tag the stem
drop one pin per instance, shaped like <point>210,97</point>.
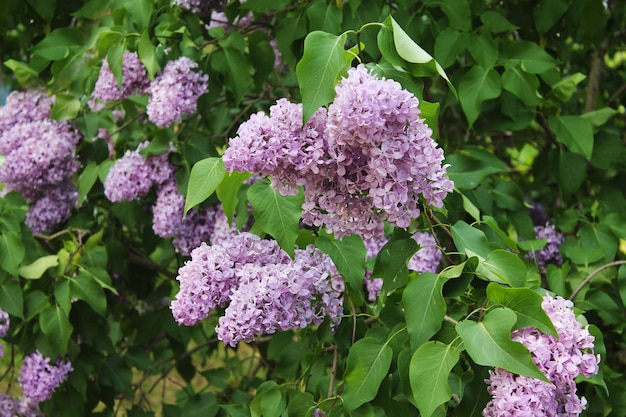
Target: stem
<point>593,274</point>
<point>595,73</point>
<point>333,372</point>
<point>149,265</point>
<point>450,319</point>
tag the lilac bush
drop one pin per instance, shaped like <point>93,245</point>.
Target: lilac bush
<point>39,378</point>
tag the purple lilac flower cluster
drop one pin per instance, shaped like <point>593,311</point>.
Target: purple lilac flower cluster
<point>39,378</point>
<point>366,161</point>
<point>39,158</point>
<point>132,176</point>
<point>201,7</point>
<point>549,254</point>
<point>175,91</point>
<point>561,359</point>
<point>19,407</point>
<point>4,328</point>
<point>261,288</point>
<point>427,258</point>
<point>134,80</point>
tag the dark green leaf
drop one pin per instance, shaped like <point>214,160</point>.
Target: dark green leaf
<point>449,45</point>
<point>205,176</point>
<point>140,12</point>
<point>575,132</point>
<point>11,298</point>
<point>504,267</point>
<point>368,364</point>
<point>458,12</point>
<point>84,287</point>
<point>57,44</point>
<point>532,58</point>
<point>55,324</point>
<point>116,374</point>
<point>483,49</point>
<point>276,214</point>
<point>468,239</point>
<point>65,107</point>
<point>477,86</point>
<point>548,12</point>
<point>44,8</point>
<point>201,405</point>
<point>11,252</point>
<point>424,307</point>
<point>145,50</point>
<point>323,63</point>
<point>496,22</point>
<point>392,260</point>
<point>522,84</point>
<point>228,190</point>
<point>429,372</point>
<point>348,255</point>
<point>25,75</point>
<point>489,344</point>
<point>86,181</point>
<point>572,172</point>
<point>234,66</point>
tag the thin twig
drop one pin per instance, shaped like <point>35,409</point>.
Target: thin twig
<point>450,319</point>
<point>333,372</point>
<point>593,274</point>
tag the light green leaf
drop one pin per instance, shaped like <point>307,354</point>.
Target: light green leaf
<point>65,107</point>
<point>11,252</point>
<point>140,12</point>
<point>85,287</point>
<point>55,324</point>
<point>504,267</point>
<point>204,178</point>
<point>477,86</point>
<point>599,117</point>
<point>522,84</point>
<point>235,68</point>
<point>467,238</point>
<point>368,364</point>
<point>86,181</point>
<point>57,44</point>
<point>323,63</point>
<point>37,268</point>
<point>145,50</point>
<point>564,89</point>
<point>428,372</point>
<point>489,344</point>
<point>348,255</point>
<point>276,214</point>
<point>228,190</point>
<point>25,75</point>
<point>575,132</point>
<point>526,303</point>
<point>424,307</point>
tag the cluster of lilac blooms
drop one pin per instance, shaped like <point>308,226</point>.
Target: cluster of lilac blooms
<point>368,160</point>
<point>39,378</point>
<point>39,158</point>
<point>201,7</point>
<point>561,359</point>
<point>134,81</point>
<point>20,407</point>
<point>426,259</point>
<point>4,328</point>
<point>132,176</point>
<point>173,93</point>
<point>260,287</point>
<point>549,254</point>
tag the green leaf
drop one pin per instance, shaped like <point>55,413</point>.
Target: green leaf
<point>86,181</point>
<point>201,405</point>
<point>496,22</point>
<point>469,167</point>
<point>145,50</point>
<point>504,267</point>
<point>522,84</point>
<point>263,6</point>
<point>424,307</point>
<point>526,303</point>
<point>428,372</point>
<point>235,68</point>
<point>483,49</point>
<point>56,45</point>
<point>323,63</point>
<point>55,324</point>
<point>532,58</point>
<point>85,287</point>
<point>575,132</point>
<point>276,214</point>
<point>457,11</point>
<point>367,365</point>
<point>323,16</point>
<point>44,8</point>
<point>477,86</point>
<point>469,239</point>
<point>11,298</point>
<point>228,190</point>
<point>548,12</point>
<point>564,89</point>
<point>65,107</point>
<point>450,43</point>
<point>37,268</point>
<point>140,12</point>
<point>572,172</point>
<point>11,252</point>
<point>348,255</point>
<point>392,260</point>
<point>25,75</point>
<point>115,373</point>
<point>489,344</point>
<point>599,117</point>
<point>204,178</point>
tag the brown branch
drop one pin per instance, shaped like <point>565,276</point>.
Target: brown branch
<point>595,73</point>
<point>333,372</point>
<point>616,94</point>
<point>150,265</point>
<point>593,274</point>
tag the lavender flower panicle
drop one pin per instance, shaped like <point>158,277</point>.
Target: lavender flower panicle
<point>23,406</point>
<point>549,254</point>
<point>175,92</point>
<point>52,208</point>
<point>427,258</point>
<point>5,321</point>
<point>24,107</point>
<point>134,80</point>
<point>561,359</point>
<point>201,7</point>
<point>39,379</point>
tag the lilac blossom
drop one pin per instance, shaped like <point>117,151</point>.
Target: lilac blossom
<point>261,288</point>
<point>53,207</point>
<point>24,107</point>
<point>371,159</point>
<point>561,359</point>
<point>427,258</point>
<point>5,321</point>
<point>197,227</point>
<point>23,406</point>
<point>132,176</point>
<point>39,378</point>
<point>201,7</point>
<point>134,80</point>
<point>549,254</point>
<point>175,92</point>
<point>373,286</point>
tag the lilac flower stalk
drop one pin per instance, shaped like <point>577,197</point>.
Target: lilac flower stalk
<point>561,359</point>
<point>39,378</point>
<point>175,92</point>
